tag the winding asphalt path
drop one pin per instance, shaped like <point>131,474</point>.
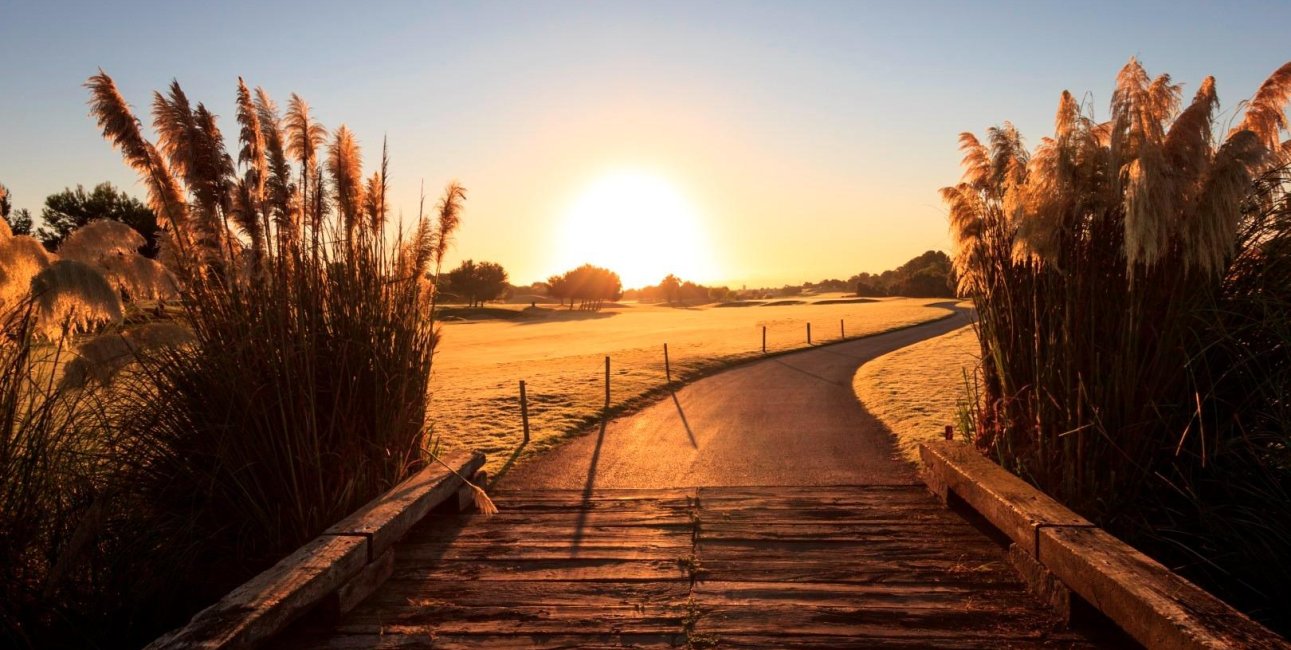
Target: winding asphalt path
<point>791,419</point>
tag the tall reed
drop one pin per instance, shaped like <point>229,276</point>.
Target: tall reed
<point>303,391</point>
<point>1127,279</point>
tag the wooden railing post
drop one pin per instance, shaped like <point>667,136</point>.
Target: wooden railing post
<point>667,366</point>
<point>524,411</point>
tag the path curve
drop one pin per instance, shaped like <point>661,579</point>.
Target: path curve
<point>791,419</point>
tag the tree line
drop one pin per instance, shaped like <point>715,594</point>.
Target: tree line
<point>65,211</point>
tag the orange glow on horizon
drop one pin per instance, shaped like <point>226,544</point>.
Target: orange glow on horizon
<point>640,226</point>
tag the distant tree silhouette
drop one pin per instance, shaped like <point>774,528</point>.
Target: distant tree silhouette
<point>70,209</point>
<point>671,288</point>
<point>926,276</point>
<point>590,285</point>
<point>477,282</point>
<point>20,221</point>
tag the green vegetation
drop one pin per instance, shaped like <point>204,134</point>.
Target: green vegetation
<point>19,223</point>
<point>70,209</point>
<point>926,276</point>
<point>1131,279</point>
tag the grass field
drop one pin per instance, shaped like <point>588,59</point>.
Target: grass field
<point>561,356</point>
<point>916,391</point>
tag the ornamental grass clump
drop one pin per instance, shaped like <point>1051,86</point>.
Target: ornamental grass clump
<point>302,391</point>
<point>1131,281</point>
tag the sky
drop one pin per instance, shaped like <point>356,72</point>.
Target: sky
<point>778,142</point>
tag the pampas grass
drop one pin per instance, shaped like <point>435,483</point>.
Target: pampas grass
<point>1104,265</point>
<point>302,393</point>
<point>71,296</point>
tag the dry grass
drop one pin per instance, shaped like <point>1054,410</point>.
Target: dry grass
<point>474,388</point>
<point>917,390</point>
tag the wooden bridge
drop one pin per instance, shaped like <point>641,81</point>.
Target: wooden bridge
<point>729,567</point>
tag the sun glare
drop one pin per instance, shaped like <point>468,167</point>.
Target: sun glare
<point>637,225</point>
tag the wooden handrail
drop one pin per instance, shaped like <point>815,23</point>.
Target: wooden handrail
<point>354,551</point>
<point>1152,604</point>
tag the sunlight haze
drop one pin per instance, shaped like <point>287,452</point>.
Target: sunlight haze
<point>807,138</point>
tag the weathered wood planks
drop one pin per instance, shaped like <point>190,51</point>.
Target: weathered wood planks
<point>832,567</point>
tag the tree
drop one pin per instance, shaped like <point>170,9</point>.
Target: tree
<point>70,209</point>
<point>477,283</point>
<point>671,287</point>
<point>591,285</point>
<point>20,221</point>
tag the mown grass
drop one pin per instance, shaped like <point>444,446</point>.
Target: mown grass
<point>474,386</point>
<point>918,390</point>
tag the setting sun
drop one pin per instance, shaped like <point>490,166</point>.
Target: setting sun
<point>638,225</point>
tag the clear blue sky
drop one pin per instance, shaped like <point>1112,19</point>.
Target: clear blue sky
<point>810,138</point>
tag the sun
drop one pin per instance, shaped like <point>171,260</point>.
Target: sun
<point>638,225</point>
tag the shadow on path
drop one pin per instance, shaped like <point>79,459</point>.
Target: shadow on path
<point>587,487</point>
<point>809,373</point>
<point>502,471</point>
<point>684,422</point>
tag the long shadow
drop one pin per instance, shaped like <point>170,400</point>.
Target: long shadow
<point>684,422</point>
<point>588,486</point>
<point>809,373</point>
<point>560,316</point>
<point>502,471</point>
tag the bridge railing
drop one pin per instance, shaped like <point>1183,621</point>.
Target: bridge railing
<point>334,571</point>
<point>1059,550</point>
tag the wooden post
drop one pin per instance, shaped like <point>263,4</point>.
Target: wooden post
<point>764,339</point>
<point>808,333</point>
<point>607,382</point>
<point>950,432</point>
<point>841,333</point>
<point>667,367</point>
<point>524,411</point>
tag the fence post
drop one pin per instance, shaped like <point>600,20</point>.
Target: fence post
<point>764,339</point>
<point>667,366</point>
<point>950,432</point>
<point>524,411</point>
<point>809,333</point>
<point>841,333</point>
<point>607,382</point>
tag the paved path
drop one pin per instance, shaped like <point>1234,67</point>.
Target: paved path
<point>791,419</point>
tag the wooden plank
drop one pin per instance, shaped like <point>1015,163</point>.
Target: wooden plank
<point>427,554</point>
<point>868,596</point>
<point>973,618</point>
<point>441,641</point>
<point>1148,601</point>
<point>564,569</point>
<point>572,593</point>
<point>448,618</point>
<point>789,570</point>
<point>387,518</point>
<point>560,523</point>
<point>1008,502</point>
<point>269,601</point>
<point>949,642</point>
